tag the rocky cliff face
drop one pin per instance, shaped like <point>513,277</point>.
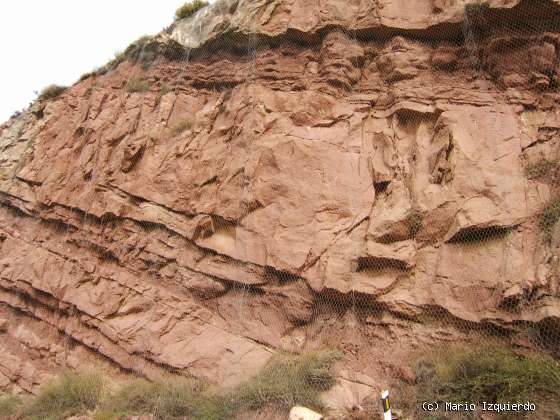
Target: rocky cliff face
<point>296,173</point>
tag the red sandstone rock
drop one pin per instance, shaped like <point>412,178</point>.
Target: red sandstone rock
<point>327,189</point>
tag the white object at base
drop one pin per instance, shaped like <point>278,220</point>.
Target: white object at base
<point>302,413</point>
<point>387,415</point>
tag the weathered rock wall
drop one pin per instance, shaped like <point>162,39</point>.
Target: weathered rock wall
<point>349,173</point>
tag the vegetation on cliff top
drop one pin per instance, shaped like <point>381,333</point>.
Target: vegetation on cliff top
<point>190,8</point>
<point>137,50</point>
<point>51,92</point>
<point>285,381</point>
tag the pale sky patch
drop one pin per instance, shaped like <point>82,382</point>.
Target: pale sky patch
<point>45,42</point>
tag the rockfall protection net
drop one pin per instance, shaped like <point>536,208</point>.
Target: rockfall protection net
<point>390,192</point>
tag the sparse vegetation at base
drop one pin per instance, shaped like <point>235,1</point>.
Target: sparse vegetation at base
<point>550,215</point>
<point>171,399</point>
<point>68,395</point>
<point>51,92</point>
<point>190,8</point>
<point>137,85</point>
<point>491,374</point>
<point>10,405</point>
<point>287,380</point>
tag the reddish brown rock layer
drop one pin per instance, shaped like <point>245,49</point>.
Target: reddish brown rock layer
<point>357,188</point>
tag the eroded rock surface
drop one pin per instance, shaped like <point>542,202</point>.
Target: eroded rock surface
<point>358,178</point>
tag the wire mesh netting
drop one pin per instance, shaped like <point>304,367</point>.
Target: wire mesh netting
<point>283,203</point>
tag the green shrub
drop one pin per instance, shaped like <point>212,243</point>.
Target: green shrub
<point>137,85</point>
<point>51,92</point>
<point>69,395</point>
<point>190,8</point>
<point>488,373</point>
<point>550,215</point>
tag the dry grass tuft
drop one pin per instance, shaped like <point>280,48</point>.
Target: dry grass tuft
<point>137,85</point>
<point>488,373</point>
<point>190,8</point>
<point>68,395</point>
<point>51,92</point>
<point>550,215</point>
<point>287,380</point>
<point>180,127</point>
